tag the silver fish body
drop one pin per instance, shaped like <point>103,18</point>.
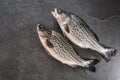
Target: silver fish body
<point>80,34</point>
<point>59,48</point>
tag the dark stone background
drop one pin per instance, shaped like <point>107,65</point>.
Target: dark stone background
<point>22,56</point>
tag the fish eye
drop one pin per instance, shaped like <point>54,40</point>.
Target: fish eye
<point>43,28</point>
<point>44,32</point>
<point>59,11</point>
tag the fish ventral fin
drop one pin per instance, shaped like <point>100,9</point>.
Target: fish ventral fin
<point>49,44</point>
<point>67,29</point>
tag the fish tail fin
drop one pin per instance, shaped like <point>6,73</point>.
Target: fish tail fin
<point>91,63</point>
<point>109,52</point>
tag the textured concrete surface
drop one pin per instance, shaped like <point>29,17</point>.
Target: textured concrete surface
<point>22,56</point>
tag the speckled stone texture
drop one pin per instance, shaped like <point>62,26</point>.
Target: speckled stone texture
<point>22,56</point>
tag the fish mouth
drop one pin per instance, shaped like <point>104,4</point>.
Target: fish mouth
<point>39,30</point>
<point>55,12</point>
<point>39,27</point>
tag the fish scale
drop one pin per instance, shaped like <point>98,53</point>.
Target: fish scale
<point>68,48</point>
<point>59,45</point>
<point>89,35</point>
<point>57,41</point>
<point>79,33</point>
<point>86,38</point>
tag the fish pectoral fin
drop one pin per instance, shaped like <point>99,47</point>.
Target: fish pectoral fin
<point>67,28</point>
<point>49,44</point>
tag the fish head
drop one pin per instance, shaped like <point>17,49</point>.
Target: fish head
<point>43,32</point>
<point>61,16</point>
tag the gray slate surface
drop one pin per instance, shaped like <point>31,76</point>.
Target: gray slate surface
<point>22,56</point>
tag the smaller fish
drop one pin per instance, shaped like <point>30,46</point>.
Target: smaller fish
<point>60,49</point>
<point>78,32</point>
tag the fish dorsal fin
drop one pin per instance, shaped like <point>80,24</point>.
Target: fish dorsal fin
<point>49,44</point>
<point>67,29</point>
<point>75,50</point>
<point>96,36</point>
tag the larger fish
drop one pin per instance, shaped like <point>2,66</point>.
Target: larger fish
<point>59,48</point>
<point>80,34</point>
